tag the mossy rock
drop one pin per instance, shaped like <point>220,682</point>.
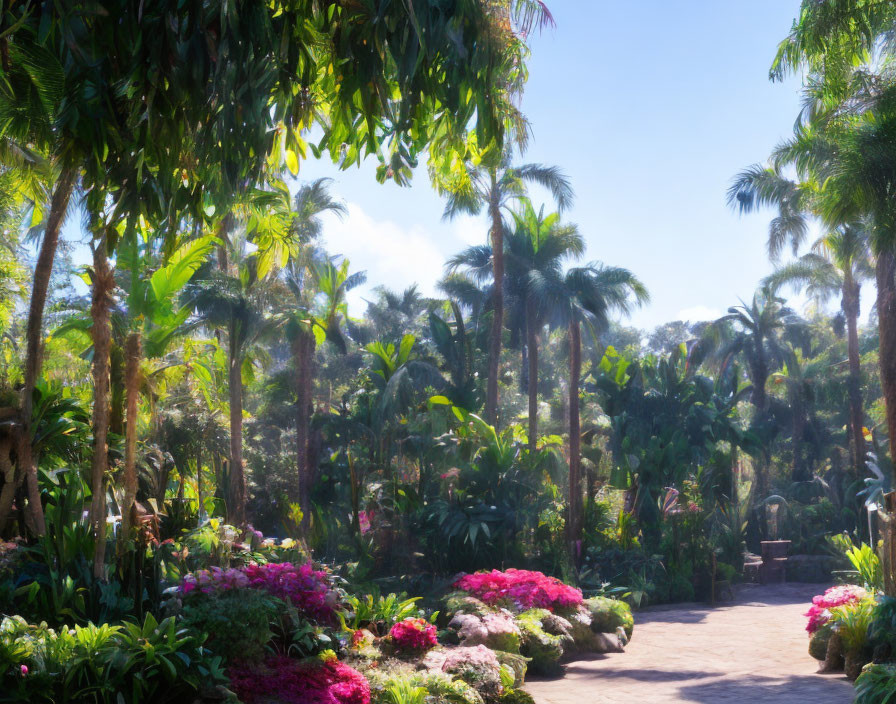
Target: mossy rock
<point>462,603</point>
<point>818,642</point>
<point>609,614</point>
<point>544,649</point>
<point>516,662</point>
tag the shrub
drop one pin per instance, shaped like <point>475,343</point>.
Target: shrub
<point>237,622</point>
<point>519,589</point>
<point>609,614</point>
<point>820,611</point>
<point>818,642</point>
<point>876,684</point>
<point>288,681</point>
<point>851,622</point>
<point>304,587</point>
<point>441,687</point>
<point>129,664</point>
<point>413,636</point>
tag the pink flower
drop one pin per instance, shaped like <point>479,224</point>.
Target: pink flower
<point>414,635</point>
<point>306,588</point>
<point>292,681</point>
<point>24,670</point>
<point>522,589</point>
<point>820,611</point>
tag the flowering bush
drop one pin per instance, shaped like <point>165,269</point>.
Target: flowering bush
<point>414,635</point>
<point>521,588</point>
<point>820,612</point>
<point>303,586</point>
<point>289,681</point>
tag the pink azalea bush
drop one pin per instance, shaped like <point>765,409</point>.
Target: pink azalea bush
<point>478,666</point>
<point>820,612</point>
<point>289,681</point>
<point>414,635</point>
<point>522,588</point>
<point>306,588</point>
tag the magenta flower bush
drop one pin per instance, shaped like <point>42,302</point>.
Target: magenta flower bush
<point>289,681</point>
<point>522,588</point>
<point>303,586</point>
<point>414,635</point>
<point>820,612</point>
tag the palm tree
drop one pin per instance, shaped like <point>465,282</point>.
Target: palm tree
<point>844,145</point>
<point>798,378</point>
<point>494,184</point>
<point>313,322</point>
<point>539,243</point>
<point>753,331</point>
<point>584,296</point>
<point>237,301</point>
<point>838,265</point>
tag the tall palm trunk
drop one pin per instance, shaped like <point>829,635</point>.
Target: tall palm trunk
<point>759,398</point>
<point>494,343</point>
<point>850,306</point>
<point>532,349</point>
<point>574,521</point>
<point>236,504</point>
<point>199,481</point>
<point>799,471</point>
<point>885,270</point>
<point>43,270</point>
<point>132,351</point>
<point>103,283</point>
<point>303,356</point>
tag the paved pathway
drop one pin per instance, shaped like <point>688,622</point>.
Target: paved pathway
<point>753,651</point>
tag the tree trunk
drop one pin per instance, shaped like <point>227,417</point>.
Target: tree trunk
<point>103,283</point>
<point>532,346</point>
<point>133,353</point>
<point>759,397</point>
<point>850,306</point>
<point>885,270</point>
<point>799,472</point>
<point>303,356</point>
<point>574,522</point>
<point>43,270</point>
<point>199,483</point>
<point>236,506</point>
<point>494,343</point>
<point>8,475</point>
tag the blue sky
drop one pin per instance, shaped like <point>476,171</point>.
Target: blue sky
<point>650,108</point>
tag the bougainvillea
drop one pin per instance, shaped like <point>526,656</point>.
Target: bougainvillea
<point>414,635</point>
<point>521,588</point>
<point>820,612</point>
<point>289,681</point>
<point>306,588</point>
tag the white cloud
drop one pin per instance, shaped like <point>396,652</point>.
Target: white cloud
<point>697,313</point>
<point>470,229</point>
<point>392,255</point>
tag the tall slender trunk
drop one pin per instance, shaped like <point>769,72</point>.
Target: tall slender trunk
<point>103,283</point>
<point>759,398</point>
<point>850,305</point>
<point>133,352</point>
<point>303,356</point>
<point>199,482</point>
<point>8,476</point>
<point>494,342</point>
<point>236,504</point>
<point>885,270</point>
<point>799,471</point>
<point>43,270</point>
<point>532,347</point>
<point>574,522</point>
